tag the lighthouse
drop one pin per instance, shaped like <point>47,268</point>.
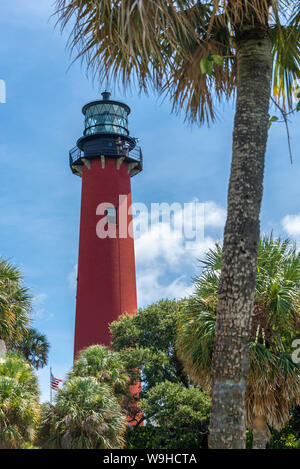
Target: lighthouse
<point>106,157</point>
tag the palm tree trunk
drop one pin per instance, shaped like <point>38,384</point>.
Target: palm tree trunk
<point>241,237</point>
<point>261,434</point>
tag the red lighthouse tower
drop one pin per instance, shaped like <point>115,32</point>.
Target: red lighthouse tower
<point>106,158</point>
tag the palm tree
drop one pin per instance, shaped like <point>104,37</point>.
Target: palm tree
<point>108,368</point>
<point>15,303</point>
<point>34,347</point>
<point>198,52</point>
<point>19,405</point>
<point>273,382</point>
<point>103,364</point>
<point>86,416</point>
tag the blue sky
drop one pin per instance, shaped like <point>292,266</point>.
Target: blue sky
<point>40,197</point>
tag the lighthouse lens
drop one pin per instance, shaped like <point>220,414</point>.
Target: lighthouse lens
<point>106,118</point>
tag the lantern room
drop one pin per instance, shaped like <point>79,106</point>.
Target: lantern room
<point>106,135</point>
<point>106,117</point>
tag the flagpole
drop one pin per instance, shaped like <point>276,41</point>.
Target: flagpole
<point>50,386</point>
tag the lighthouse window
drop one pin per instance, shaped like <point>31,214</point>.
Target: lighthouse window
<point>106,118</point>
<point>111,216</point>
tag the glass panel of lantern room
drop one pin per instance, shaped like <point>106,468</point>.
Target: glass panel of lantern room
<point>106,118</point>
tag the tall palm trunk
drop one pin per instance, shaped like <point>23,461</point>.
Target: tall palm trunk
<point>261,434</point>
<point>241,236</point>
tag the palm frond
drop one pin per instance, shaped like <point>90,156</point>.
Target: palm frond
<point>86,416</point>
<point>124,36</point>
<point>19,406</point>
<point>15,302</point>
<point>286,56</point>
<point>273,383</point>
<point>185,50</point>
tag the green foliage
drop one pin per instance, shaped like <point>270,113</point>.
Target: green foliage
<point>147,340</point>
<point>19,406</point>
<point>289,436</point>
<point>86,415</point>
<point>15,303</point>
<point>179,410</point>
<point>271,120</point>
<point>34,347</point>
<point>207,63</point>
<point>15,367</point>
<point>177,418</point>
<point>249,439</point>
<point>15,311</point>
<point>286,52</point>
<point>151,437</point>
<point>103,364</point>
<point>44,427</point>
<point>169,401</point>
<point>150,327</point>
<point>188,51</point>
<point>273,384</point>
<point>278,289</point>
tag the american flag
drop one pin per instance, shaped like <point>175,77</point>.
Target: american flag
<point>54,382</point>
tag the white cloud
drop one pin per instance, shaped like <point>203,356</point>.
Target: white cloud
<point>166,258</point>
<point>39,299</point>
<point>214,216</point>
<point>291,224</point>
<point>159,270</point>
<point>162,257</point>
<point>184,241</point>
<point>151,288</point>
<point>39,310</point>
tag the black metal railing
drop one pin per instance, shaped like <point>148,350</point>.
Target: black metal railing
<point>75,156</point>
<point>106,148</point>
